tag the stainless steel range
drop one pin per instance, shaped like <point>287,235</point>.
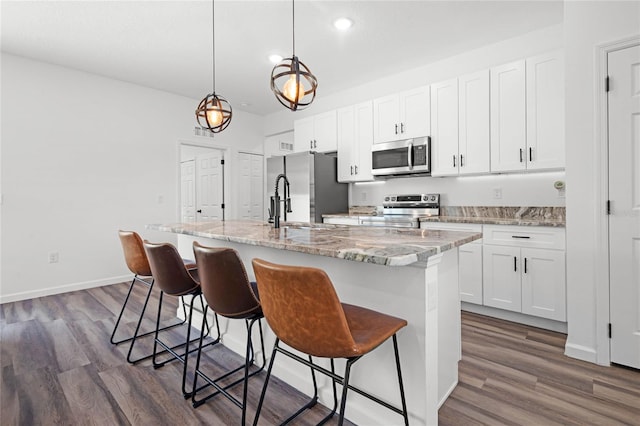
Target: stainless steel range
<point>405,211</point>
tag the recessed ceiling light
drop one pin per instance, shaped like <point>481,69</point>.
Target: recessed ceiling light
<point>245,104</point>
<point>274,59</point>
<point>343,24</point>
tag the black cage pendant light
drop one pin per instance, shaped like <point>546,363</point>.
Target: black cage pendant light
<point>291,80</point>
<point>214,112</point>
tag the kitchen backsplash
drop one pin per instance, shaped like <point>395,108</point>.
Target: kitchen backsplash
<point>524,189</point>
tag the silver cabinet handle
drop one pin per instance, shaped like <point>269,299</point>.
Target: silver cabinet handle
<point>521,155</point>
<point>356,169</point>
<point>454,161</point>
<point>401,127</point>
<point>396,128</point>
<point>461,160</point>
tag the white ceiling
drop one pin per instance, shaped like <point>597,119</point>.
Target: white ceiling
<point>167,44</point>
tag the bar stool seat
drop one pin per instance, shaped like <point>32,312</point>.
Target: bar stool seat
<point>174,279</point>
<point>303,310</point>
<point>230,294</point>
<point>138,263</point>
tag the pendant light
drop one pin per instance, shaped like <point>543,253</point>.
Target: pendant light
<point>291,80</point>
<point>214,112</point>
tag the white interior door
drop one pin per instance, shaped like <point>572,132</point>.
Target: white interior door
<point>250,186</point>
<point>188,191</point>
<point>624,195</point>
<point>209,186</point>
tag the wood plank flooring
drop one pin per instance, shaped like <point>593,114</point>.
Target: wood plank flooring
<point>511,374</point>
<point>58,367</point>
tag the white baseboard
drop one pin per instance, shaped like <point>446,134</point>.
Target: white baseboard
<point>547,324</point>
<point>447,393</point>
<point>66,288</point>
<point>580,352</point>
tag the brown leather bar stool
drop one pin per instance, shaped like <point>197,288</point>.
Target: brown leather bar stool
<point>228,293</point>
<point>174,279</point>
<point>303,310</point>
<point>138,264</point>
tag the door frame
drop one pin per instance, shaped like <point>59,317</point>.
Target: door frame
<point>603,284</point>
<point>225,170</point>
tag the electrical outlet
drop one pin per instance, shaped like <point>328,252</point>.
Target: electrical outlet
<point>54,257</point>
<point>497,193</point>
<point>363,196</point>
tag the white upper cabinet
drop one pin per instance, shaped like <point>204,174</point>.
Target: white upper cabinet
<point>460,125</point>
<point>508,117</point>
<point>401,116</point>
<point>545,111</point>
<point>473,123</point>
<point>355,136</point>
<point>316,133</point>
<point>527,114</point>
<point>444,128</point>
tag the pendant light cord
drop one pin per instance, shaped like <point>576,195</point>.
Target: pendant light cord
<point>293,27</point>
<point>213,42</point>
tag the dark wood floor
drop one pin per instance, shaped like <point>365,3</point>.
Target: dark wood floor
<point>58,367</point>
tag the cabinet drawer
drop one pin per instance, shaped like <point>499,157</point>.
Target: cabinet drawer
<point>525,236</point>
<point>463,227</point>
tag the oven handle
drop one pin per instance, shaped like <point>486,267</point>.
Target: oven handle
<point>410,156</point>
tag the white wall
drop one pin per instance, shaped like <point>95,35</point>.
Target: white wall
<point>587,24</point>
<point>530,189</point>
<point>83,156</point>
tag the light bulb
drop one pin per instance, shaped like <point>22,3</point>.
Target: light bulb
<point>214,117</point>
<point>290,90</point>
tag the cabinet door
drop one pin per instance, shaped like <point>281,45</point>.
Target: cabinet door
<point>346,141</point>
<point>303,134</point>
<point>543,283</point>
<point>470,273</point>
<point>361,153</point>
<point>545,112</point>
<point>501,277</point>
<point>386,119</point>
<point>325,132</point>
<point>508,118</point>
<point>473,122</point>
<point>444,128</point>
<point>414,113</point>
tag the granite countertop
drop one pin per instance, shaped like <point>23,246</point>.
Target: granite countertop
<point>521,216</point>
<point>382,246</point>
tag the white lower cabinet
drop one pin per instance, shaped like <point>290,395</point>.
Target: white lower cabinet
<point>519,276</point>
<point>469,261</point>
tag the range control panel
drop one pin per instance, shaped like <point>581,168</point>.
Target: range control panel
<point>412,200</point>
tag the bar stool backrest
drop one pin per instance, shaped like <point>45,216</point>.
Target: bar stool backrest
<point>134,253</point>
<point>224,282</point>
<point>169,271</point>
<point>303,309</point>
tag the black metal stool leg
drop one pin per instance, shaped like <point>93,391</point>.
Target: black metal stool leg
<point>266,382</point>
<point>124,305</point>
<point>400,383</point>
<point>345,387</point>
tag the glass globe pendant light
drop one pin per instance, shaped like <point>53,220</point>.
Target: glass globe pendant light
<point>291,81</point>
<point>214,112</point>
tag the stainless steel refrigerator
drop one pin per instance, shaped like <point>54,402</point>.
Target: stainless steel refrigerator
<point>314,189</point>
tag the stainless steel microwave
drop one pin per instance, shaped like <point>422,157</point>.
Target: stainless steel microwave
<point>401,157</point>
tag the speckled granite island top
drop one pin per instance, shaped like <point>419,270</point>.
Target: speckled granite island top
<point>382,246</point>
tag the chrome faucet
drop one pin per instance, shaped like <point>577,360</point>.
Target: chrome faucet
<point>274,210</point>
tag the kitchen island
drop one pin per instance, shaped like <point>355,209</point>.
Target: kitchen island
<point>407,273</point>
